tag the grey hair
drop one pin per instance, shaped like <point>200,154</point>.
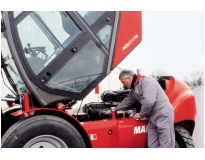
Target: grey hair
<point>126,73</point>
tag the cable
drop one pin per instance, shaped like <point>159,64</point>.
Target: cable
<point>7,86</point>
<point>79,110</point>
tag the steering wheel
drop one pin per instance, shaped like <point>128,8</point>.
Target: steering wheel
<point>34,51</point>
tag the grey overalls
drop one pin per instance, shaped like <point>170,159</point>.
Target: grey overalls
<point>158,110</point>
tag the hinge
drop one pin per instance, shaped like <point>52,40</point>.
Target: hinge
<point>99,44</point>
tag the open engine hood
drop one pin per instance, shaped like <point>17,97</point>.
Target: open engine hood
<point>64,55</point>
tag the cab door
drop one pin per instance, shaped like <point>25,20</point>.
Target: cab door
<point>63,55</point>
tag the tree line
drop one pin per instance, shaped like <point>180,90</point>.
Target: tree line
<point>195,78</point>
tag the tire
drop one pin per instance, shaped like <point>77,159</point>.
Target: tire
<point>183,138</point>
<point>7,120</point>
<point>42,131</point>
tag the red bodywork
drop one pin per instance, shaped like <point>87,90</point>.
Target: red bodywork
<point>133,133</point>
<point>126,132</point>
<point>119,133</point>
<point>129,35</point>
<point>182,99</point>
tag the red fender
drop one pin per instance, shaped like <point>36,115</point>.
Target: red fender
<point>182,99</point>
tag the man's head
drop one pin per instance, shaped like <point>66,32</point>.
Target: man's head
<point>126,77</point>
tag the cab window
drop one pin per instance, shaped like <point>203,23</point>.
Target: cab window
<point>85,66</point>
<point>44,35</point>
<point>104,35</point>
<point>90,16</point>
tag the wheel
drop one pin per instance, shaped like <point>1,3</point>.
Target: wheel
<point>42,131</point>
<point>7,120</point>
<point>183,138</point>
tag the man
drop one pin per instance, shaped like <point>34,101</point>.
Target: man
<point>155,107</point>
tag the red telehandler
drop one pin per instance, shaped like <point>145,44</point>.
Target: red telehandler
<point>54,59</point>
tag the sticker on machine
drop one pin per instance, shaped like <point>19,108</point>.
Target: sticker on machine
<point>140,129</point>
<point>129,42</point>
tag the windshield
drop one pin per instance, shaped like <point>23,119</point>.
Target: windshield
<point>80,71</point>
<point>10,69</point>
<point>56,31</point>
<point>105,32</point>
<point>61,52</point>
<point>44,35</point>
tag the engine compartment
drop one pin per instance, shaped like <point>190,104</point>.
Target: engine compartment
<point>102,110</point>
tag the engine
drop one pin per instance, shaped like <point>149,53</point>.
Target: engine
<point>101,110</point>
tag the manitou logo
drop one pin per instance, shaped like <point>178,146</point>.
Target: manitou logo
<point>140,129</point>
<point>130,42</point>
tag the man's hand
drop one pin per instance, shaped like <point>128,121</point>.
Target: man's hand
<point>137,116</point>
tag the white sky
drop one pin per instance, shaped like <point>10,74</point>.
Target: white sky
<point>171,41</point>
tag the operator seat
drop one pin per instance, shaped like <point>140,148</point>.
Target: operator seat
<point>91,16</point>
<point>69,26</point>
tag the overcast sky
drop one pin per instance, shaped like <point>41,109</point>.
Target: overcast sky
<point>171,42</point>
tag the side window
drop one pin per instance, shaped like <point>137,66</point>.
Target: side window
<point>90,16</point>
<point>104,35</point>
<point>44,35</point>
<point>85,66</point>
<point>61,25</point>
<point>16,13</point>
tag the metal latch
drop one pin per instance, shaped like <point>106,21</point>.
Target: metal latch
<point>45,77</point>
<point>3,28</point>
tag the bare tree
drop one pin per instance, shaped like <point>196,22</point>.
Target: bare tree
<point>197,78</point>
<point>186,80</point>
<point>158,73</point>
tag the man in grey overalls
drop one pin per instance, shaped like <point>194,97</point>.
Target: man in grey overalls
<point>155,107</point>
